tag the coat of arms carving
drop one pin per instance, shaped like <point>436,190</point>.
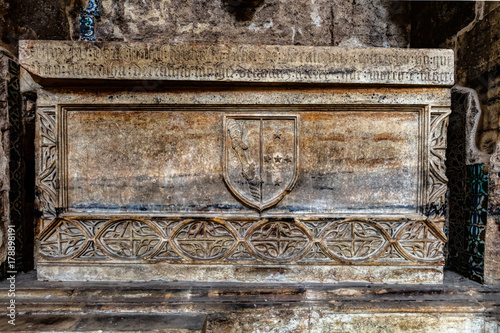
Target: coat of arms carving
<point>261,161</point>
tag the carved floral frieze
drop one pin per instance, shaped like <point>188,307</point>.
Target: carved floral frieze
<point>267,240</point>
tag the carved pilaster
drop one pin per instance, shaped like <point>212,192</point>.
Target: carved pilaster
<point>46,182</point>
<point>438,182</point>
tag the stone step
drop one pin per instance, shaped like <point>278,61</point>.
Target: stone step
<point>458,305</point>
<point>110,323</point>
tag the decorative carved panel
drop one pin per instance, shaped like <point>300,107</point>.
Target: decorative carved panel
<point>225,241</point>
<point>437,168</point>
<point>47,186</point>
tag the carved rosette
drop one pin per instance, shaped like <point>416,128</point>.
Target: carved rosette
<point>63,239</point>
<point>354,241</point>
<point>338,241</point>
<point>129,239</point>
<point>203,240</point>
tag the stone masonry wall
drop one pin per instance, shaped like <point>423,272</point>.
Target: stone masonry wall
<point>472,29</point>
<point>381,23</point>
<point>4,163</point>
<point>305,22</point>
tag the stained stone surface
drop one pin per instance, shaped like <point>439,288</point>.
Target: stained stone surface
<point>478,54</point>
<point>373,151</point>
<point>380,23</point>
<point>492,242</point>
<point>4,162</point>
<point>247,182</point>
<point>110,323</point>
<point>286,22</point>
<point>457,305</point>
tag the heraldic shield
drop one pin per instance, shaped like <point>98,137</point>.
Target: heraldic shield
<point>261,157</point>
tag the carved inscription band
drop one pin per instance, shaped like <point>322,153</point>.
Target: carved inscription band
<point>236,63</point>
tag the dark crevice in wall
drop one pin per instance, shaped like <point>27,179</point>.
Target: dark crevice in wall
<point>432,23</point>
<point>243,10</point>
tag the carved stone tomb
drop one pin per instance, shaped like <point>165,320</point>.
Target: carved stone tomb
<point>240,162</point>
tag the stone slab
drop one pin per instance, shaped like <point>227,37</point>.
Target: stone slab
<point>457,305</point>
<point>288,273</point>
<point>110,323</point>
<point>156,160</point>
<point>49,60</point>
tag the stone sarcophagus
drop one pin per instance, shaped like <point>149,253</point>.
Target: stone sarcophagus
<point>240,162</point>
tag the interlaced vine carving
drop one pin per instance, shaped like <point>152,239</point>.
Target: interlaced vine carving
<point>47,186</point>
<point>279,241</point>
<point>437,169</point>
<point>63,240</point>
<point>420,243</point>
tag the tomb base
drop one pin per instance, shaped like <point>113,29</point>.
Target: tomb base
<point>456,305</point>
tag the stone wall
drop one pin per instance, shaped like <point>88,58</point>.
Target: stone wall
<point>4,164</point>
<point>304,22</point>
<point>492,255</point>
<point>472,29</point>
<point>38,19</point>
<point>16,184</point>
<point>382,23</point>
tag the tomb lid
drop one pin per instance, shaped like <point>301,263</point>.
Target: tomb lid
<point>50,62</point>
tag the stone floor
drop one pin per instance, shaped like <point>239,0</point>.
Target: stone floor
<point>458,305</point>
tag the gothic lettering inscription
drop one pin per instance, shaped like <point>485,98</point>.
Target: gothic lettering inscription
<point>243,63</point>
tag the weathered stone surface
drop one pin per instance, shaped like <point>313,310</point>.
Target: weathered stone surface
<point>492,242</point>
<point>110,323</point>
<point>433,23</point>
<point>266,96</point>
<point>478,58</point>
<point>490,6</point>
<point>375,150</point>
<point>4,161</point>
<point>238,272</point>
<point>474,33</point>
<point>461,156</point>
<point>236,63</point>
<point>38,19</point>
<point>467,104</point>
<point>457,305</point>
<point>286,22</point>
